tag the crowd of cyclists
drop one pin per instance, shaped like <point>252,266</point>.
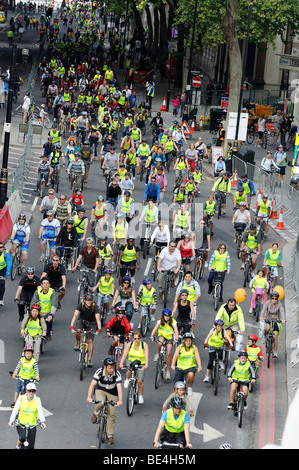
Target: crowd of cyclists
<point>95,120</point>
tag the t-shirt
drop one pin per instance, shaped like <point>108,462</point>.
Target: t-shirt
<point>108,384</point>
<point>169,261</point>
<point>89,259</point>
<point>55,275</point>
<point>29,285</point>
<point>77,200</point>
<point>87,314</point>
<point>50,228</point>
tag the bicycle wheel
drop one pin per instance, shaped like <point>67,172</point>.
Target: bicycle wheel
<point>42,189</point>
<point>240,411</point>
<point>118,355</point>
<point>101,431</point>
<point>82,362</point>
<point>130,399</point>
<point>246,274</point>
<point>81,293</point>
<point>225,360</point>
<point>250,136</point>
<point>56,184</point>
<point>216,377</point>
<point>269,347</point>
<point>258,308</point>
<point>14,267</point>
<point>158,375</point>
<point>144,325</point>
<point>216,296</point>
<point>42,345</point>
<point>145,249</point>
<point>197,268</point>
<point>219,206</point>
<point>239,241</point>
<point>270,139</point>
<point>104,316</point>
<point>165,293</point>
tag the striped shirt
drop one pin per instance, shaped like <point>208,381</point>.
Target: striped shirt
<point>105,383</point>
<point>228,263</point>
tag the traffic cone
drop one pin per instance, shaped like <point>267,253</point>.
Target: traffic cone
<point>259,197</point>
<point>201,124</point>
<point>131,87</point>
<point>235,179</point>
<point>280,225</point>
<point>193,126</point>
<point>163,105</point>
<point>273,210</point>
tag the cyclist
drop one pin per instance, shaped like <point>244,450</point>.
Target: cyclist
<point>240,219</point>
<point>105,287</point>
<point>26,371</point>
<point>129,258</point>
<point>55,156</point>
<point>181,167</point>
<point>241,371</point>
<point>28,409</point>
<point>56,274</point>
<point>254,352</point>
<point>43,170</point>
<point>273,311</point>
<point>76,170</point>
<point>209,210</point>
<point>125,297</point>
<point>233,317</point>
<point>33,327</point>
<point>263,210</point>
<point>258,285</point>
<point>248,188</point>
<point>239,197</point>
<point>47,298</point>
<point>107,386</point>
<point>179,390</point>
<point>136,350</point>
<point>167,331</point>
<point>187,249</point>
<point>105,252</point>
<point>90,259</point>
<point>186,313</point>
<point>221,188</point>
<point>119,235</point>
<point>271,258</point>
<point>220,262</point>
<point>174,425</point>
<point>215,340</point>
<point>169,259</point>
<point>98,213</point>
<point>251,241</point>
<point>86,316</point>
<point>147,295</point>
<point>67,238</point>
<point>21,234</point>
<point>181,221</point>
<point>81,224</point>
<point>26,288</point>
<point>186,361</point>
<point>49,229</point>
<point>118,325</point>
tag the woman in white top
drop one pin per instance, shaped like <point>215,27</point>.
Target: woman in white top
<point>261,127</point>
<point>162,236</point>
<point>267,165</point>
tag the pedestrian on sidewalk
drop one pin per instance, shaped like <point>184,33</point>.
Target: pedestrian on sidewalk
<point>26,106</point>
<point>150,94</point>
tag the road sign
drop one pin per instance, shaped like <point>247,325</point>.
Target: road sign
<point>224,103</point>
<point>196,82</point>
<point>167,65</point>
<point>185,128</point>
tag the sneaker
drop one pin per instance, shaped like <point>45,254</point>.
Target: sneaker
<point>206,264</point>
<point>77,347</point>
<point>93,419</point>
<point>245,405</point>
<point>275,354</point>
<point>153,318</point>
<point>126,383</point>
<point>210,290</point>
<point>251,310</point>
<point>161,296</point>
<point>242,267</point>
<point>69,267</point>
<point>190,392</point>
<point>41,258</point>
<point>167,375</point>
<point>206,379</point>
<point>156,357</point>
<point>110,441</point>
<point>1,303</point>
<point>89,363</point>
<point>230,406</point>
<point>222,367</point>
<point>140,399</point>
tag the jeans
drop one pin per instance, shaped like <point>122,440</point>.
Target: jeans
<point>129,309</point>
<point>39,177</point>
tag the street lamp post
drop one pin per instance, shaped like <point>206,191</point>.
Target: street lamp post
<point>191,52</point>
<point>244,70</point>
<point>7,127</point>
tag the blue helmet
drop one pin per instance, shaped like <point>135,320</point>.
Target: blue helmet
<point>167,312</point>
<point>147,280</point>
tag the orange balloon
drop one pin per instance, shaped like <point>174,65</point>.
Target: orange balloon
<point>240,295</point>
<point>280,290</point>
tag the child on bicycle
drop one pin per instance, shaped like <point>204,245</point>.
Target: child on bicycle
<point>215,340</point>
<point>105,288</point>
<point>179,390</point>
<point>254,352</point>
<point>118,325</point>
<point>33,327</point>
<point>241,371</point>
<point>26,370</point>
<point>258,285</point>
<point>197,176</point>
<point>147,294</point>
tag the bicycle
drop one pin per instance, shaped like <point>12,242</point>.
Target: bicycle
<point>104,311</point>
<point>146,240</point>
<point>83,351</point>
<point>142,168</point>
<point>42,186</point>
<point>132,395</point>
<point>167,282</point>
<point>27,427</point>
<point>155,270</point>
<point>239,228</point>
<point>102,420</point>
<point>239,399</point>
<point>247,271</point>
<point>219,202</point>
<point>83,287</point>
<point>258,307</point>
<point>217,283</point>
<point>215,372</point>
<point>161,363</point>
<point>118,349</point>
<point>63,252</point>
<point>16,261</point>
<point>24,382</point>
<point>146,318</point>
<point>55,180</point>
<point>78,179</point>
<point>199,267</point>
<point>270,278</point>
<point>270,340</point>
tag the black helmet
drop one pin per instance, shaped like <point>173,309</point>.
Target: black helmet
<point>177,402</point>
<point>109,361</point>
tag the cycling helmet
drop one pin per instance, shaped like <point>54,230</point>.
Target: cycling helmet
<point>81,209</point>
<point>241,188</point>
<point>188,335</point>
<point>102,238</point>
<point>147,280</point>
<point>120,309</point>
<point>127,193</point>
<point>167,312</point>
<point>30,269</point>
<point>253,337</point>
<point>264,196</point>
<point>58,146</point>
<point>70,220</point>
<point>120,215</point>
<point>242,203</point>
<point>197,167</point>
<point>242,353</point>
<point>180,385</point>
<point>37,306</point>
<point>88,296</point>
<point>50,213</point>
<point>109,361</point>
<point>107,271</point>
<point>126,278</point>
<point>100,198</point>
<point>252,227</point>
<point>175,122</point>
<point>86,142</point>
<point>275,294</point>
<point>22,216</point>
<point>244,175</point>
<point>226,445</point>
<point>184,291</point>
<point>158,159</point>
<point>28,348</point>
<point>186,235</point>
<point>176,402</point>
<point>219,322</point>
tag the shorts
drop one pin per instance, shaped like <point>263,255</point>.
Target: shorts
<point>139,372</point>
<point>274,270</point>
<point>52,242</point>
<point>24,245</point>
<point>79,325</point>
<point>282,170</point>
<point>180,374</point>
<point>253,256</point>
<point>261,215</point>
<point>115,246</point>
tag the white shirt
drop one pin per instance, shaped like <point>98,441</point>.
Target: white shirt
<point>161,236</point>
<point>169,260</point>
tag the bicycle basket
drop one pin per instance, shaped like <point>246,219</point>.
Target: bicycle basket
<point>219,276</point>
